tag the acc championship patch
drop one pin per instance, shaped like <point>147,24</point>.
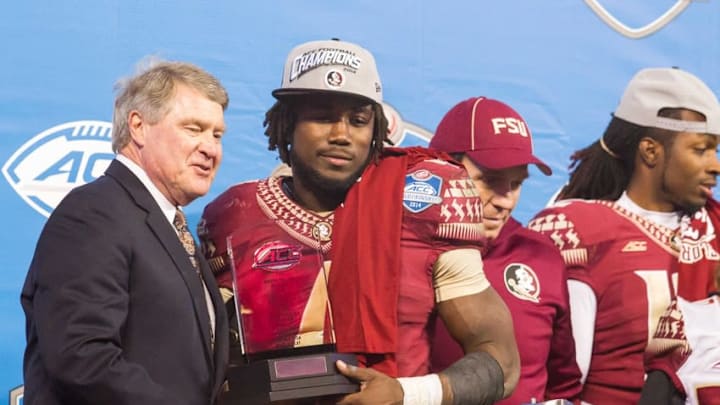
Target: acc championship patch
<point>522,282</point>
<point>422,189</point>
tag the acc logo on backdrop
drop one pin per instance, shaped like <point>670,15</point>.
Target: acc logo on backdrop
<point>49,165</point>
<point>643,31</point>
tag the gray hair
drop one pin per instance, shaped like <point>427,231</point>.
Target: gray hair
<point>150,90</point>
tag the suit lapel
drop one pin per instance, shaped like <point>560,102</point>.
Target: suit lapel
<point>222,341</point>
<point>163,230</point>
<point>167,236</point>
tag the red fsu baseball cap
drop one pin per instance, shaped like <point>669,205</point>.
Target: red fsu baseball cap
<point>489,132</point>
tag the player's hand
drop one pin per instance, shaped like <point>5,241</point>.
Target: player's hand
<point>375,387</point>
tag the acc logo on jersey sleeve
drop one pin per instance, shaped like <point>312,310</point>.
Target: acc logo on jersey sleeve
<point>57,160</point>
<point>422,189</point>
<point>522,282</point>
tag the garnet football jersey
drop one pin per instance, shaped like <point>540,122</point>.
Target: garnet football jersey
<point>630,264</point>
<point>528,273</point>
<point>686,347</point>
<point>700,370</point>
<point>281,256</point>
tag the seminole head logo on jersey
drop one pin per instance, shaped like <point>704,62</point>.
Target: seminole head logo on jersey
<point>522,282</point>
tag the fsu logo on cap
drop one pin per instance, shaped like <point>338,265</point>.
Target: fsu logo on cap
<point>522,282</point>
<point>334,79</point>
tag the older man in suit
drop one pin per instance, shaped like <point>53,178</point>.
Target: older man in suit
<point>120,309</point>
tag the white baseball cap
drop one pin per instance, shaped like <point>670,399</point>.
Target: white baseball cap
<point>653,89</point>
<point>332,66</point>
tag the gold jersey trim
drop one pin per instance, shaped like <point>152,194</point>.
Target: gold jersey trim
<point>298,222</point>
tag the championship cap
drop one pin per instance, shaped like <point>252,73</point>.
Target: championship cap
<point>489,132</point>
<point>653,89</point>
<point>332,66</point>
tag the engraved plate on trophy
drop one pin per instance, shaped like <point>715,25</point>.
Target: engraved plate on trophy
<point>285,325</point>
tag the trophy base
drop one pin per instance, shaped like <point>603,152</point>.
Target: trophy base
<point>292,379</point>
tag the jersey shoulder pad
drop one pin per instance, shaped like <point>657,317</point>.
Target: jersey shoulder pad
<point>221,204</point>
<point>441,193</point>
<point>574,226</point>
<point>522,244</point>
<point>593,219</point>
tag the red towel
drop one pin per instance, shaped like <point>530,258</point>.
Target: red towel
<point>364,277</point>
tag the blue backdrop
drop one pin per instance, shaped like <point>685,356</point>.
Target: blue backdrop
<point>562,64</point>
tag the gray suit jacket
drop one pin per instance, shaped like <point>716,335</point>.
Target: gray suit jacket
<point>115,312</point>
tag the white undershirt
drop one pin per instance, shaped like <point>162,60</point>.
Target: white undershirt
<point>583,302</point>
<point>168,210</point>
<point>667,219</point>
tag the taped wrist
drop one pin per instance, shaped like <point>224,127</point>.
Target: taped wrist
<point>476,379</point>
<point>423,390</point>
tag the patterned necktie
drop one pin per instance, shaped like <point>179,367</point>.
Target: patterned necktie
<point>188,242</point>
<point>186,237</point>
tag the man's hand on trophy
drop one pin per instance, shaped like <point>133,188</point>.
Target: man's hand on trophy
<point>375,387</point>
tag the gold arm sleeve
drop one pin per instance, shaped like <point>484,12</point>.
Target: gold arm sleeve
<point>458,273</point>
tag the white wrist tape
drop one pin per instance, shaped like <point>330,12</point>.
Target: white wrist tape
<point>423,390</point>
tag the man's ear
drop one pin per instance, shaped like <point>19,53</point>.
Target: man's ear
<point>650,151</point>
<point>136,126</point>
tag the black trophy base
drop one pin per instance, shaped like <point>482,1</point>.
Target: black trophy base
<point>290,379</point>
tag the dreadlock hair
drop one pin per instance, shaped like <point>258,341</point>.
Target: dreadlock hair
<point>602,172</point>
<point>280,122</point>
